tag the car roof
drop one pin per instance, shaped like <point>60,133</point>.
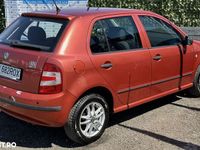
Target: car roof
<point>88,11</point>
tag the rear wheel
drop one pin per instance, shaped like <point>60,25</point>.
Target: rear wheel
<point>88,119</point>
<point>195,90</point>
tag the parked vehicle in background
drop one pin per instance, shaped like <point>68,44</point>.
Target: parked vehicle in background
<point>76,67</point>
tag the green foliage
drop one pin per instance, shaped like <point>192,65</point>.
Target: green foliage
<point>2,17</point>
<point>181,12</point>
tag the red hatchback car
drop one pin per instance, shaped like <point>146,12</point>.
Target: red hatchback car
<point>75,67</point>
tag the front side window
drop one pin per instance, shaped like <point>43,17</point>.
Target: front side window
<point>115,34</point>
<point>159,32</point>
<point>33,33</point>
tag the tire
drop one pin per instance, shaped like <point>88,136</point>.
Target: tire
<point>84,126</point>
<point>195,90</point>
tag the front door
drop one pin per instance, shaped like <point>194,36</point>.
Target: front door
<point>166,55</point>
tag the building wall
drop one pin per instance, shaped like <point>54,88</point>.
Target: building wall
<point>193,32</point>
<point>14,8</point>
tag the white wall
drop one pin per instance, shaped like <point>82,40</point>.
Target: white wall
<point>13,8</point>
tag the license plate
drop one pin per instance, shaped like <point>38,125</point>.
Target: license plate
<point>10,72</point>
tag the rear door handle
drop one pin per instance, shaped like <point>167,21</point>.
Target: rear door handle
<point>107,65</point>
<point>157,57</point>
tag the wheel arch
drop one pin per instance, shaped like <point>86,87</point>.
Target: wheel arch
<point>106,93</point>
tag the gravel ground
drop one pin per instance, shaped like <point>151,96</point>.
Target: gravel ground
<point>169,123</point>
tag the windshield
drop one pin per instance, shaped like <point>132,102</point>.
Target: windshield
<point>33,33</point>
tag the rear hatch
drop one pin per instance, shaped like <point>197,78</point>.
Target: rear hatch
<point>20,69</point>
<point>24,48</point>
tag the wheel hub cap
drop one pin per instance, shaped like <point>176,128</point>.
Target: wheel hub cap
<point>92,119</point>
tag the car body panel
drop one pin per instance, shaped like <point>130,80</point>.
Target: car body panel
<point>134,79</point>
<point>164,76</point>
<point>46,118</point>
<point>31,64</point>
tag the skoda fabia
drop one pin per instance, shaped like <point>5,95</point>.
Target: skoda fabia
<point>75,67</point>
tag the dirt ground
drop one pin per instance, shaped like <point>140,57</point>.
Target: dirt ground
<point>169,123</point>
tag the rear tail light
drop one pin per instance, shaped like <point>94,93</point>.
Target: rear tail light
<point>51,80</point>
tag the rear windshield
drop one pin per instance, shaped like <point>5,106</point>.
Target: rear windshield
<point>41,34</point>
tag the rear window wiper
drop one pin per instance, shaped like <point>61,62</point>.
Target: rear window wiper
<point>20,44</point>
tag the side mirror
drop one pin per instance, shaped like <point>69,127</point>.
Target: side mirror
<point>187,41</point>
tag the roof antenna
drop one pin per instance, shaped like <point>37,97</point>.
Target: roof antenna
<point>57,8</point>
<point>88,7</point>
<point>98,5</point>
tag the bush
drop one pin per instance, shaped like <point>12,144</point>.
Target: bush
<point>2,17</point>
<point>181,12</point>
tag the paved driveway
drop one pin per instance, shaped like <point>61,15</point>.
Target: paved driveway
<point>170,123</point>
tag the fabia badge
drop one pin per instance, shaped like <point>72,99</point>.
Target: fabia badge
<point>5,55</point>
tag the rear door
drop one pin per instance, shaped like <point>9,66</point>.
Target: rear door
<point>114,44</point>
<point>140,81</point>
<point>165,55</point>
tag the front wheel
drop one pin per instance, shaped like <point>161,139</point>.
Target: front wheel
<point>195,90</point>
<point>88,119</point>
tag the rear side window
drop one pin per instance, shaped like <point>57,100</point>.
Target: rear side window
<point>34,33</point>
<point>159,32</point>
<point>115,34</point>
<point>98,41</point>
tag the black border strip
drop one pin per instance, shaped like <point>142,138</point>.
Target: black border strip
<point>139,86</point>
<point>187,74</point>
<point>154,83</point>
<point>165,80</point>
<point>181,65</point>
<point>133,88</point>
<point>30,107</point>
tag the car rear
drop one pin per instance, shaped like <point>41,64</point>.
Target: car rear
<point>31,82</point>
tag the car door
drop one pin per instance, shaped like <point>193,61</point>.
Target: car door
<point>140,80</point>
<point>114,48</point>
<point>168,59</point>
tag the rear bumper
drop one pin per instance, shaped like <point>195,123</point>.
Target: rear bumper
<point>47,110</point>
<point>30,107</point>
